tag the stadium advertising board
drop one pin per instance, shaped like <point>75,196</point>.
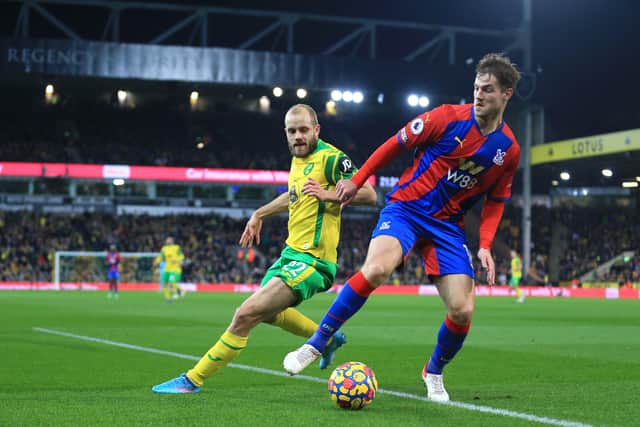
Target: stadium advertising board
<point>425,290</point>
<point>155,173</point>
<point>150,173</point>
<point>596,145</point>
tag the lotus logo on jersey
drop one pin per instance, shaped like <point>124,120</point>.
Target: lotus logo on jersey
<point>417,126</point>
<point>499,157</point>
<point>307,169</point>
<point>385,225</point>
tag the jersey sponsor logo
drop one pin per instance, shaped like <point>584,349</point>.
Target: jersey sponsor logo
<point>345,165</point>
<point>403,135</point>
<point>498,159</point>
<point>293,194</point>
<point>307,169</point>
<point>385,225</point>
<point>417,126</point>
<point>465,175</point>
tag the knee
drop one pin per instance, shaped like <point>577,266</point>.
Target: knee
<point>461,313</point>
<point>376,272</point>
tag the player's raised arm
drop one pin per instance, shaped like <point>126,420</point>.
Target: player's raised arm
<point>254,224</point>
<point>346,189</point>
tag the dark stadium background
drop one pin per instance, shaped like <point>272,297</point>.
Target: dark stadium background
<point>584,66</point>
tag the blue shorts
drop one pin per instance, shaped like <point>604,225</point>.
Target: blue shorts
<point>441,244</point>
<point>113,275</point>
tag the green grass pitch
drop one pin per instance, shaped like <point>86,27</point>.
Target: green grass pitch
<point>566,362</point>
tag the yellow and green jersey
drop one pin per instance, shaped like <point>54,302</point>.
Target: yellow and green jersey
<point>314,226</point>
<point>172,256</point>
<point>516,267</point>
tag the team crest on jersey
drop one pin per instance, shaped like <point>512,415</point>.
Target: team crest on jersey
<point>307,169</point>
<point>417,126</point>
<point>499,157</point>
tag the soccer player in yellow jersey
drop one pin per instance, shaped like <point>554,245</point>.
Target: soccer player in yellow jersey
<point>516,275</point>
<point>172,256</point>
<point>307,264</point>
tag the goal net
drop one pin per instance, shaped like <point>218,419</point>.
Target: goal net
<point>89,267</point>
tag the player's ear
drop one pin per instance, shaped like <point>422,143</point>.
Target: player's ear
<point>508,92</point>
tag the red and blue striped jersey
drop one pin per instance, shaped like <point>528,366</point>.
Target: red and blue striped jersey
<point>112,260</point>
<point>454,164</point>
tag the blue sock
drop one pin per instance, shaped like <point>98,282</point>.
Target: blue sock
<point>346,304</point>
<point>450,339</point>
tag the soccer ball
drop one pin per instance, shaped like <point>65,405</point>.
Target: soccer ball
<point>352,385</point>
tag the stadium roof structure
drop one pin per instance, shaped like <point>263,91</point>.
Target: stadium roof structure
<point>426,57</point>
<point>437,57</point>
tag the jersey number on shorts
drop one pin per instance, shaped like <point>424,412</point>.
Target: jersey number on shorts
<point>294,268</point>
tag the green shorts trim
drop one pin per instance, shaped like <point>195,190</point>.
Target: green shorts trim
<point>305,274</point>
<point>171,277</point>
<point>515,281</point>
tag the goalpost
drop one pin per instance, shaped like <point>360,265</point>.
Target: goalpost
<point>89,267</point>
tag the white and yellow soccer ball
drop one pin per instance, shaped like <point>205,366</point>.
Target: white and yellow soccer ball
<point>353,385</point>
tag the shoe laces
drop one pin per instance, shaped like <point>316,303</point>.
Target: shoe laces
<point>436,382</point>
<point>306,354</point>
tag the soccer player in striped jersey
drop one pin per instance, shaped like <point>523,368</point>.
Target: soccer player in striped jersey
<point>307,264</point>
<point>462,154</point>
<point>112,261</point>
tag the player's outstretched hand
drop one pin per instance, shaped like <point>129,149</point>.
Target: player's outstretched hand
<point>251,232</point>
<point>487,263</point>
<point>346,190</point>
<point>313,188</point>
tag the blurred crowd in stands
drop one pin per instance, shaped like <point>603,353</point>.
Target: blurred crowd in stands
<point>100,133</point>
<point>28,242</point>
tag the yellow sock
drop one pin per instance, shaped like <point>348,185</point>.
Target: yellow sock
<point>291,320</point>
<point>519,292</point>
<point>224,351</point>
<point>167,291</point>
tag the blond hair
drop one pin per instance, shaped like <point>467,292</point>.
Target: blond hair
<point>304,107</point>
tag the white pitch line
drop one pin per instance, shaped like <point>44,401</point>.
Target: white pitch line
<point>468,406</point>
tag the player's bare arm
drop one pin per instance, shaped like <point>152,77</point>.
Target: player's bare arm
<point>364,196</point>
<point>346,191</point>
<point>251,231</point>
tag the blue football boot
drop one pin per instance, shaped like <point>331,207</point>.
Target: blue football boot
<point>179,385</point>
<point>330,350</point>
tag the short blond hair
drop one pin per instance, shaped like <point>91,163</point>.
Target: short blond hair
<point>304,107</point>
